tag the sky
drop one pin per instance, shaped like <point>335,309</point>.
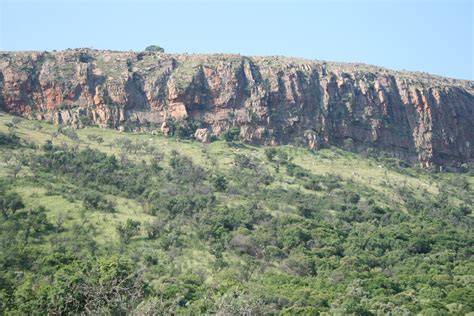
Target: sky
<point>433,36</point>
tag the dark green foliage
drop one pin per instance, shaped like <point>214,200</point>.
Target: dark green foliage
<point>250,172</point>
<point>93,168</point>
<point>294,170</point>
<point>35,221</point>
<point>312,184</point>
<point>9,140</point>
<point>10,202</point>
<point>352,197</point>
<point>95,201</point>
<point>126,145</point>
<point>220,183</point>
<point>91,284</point>
<point>245,162</point>
<point>154,48</point>
<point>128,230</point>
<point>154,228</point>
<point>96,138</point>
<point>48,146</point>
<point>231,134</point>
<point>247,238</point>
<point>270,153</point>
<point>183,129</point>
<point>184,171</point>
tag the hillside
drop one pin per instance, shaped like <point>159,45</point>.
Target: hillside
<point>107,222</point>
<point>423,119</point>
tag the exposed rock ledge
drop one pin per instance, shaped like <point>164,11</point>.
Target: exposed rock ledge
<point>276,100</point>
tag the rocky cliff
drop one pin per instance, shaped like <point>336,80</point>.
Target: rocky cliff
<point>274,100</point>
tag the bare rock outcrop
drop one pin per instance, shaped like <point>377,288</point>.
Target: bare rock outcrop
<point>274,100</point>
<point>202,135</point>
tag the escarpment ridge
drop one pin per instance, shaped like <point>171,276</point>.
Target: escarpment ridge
<point>417,117</point>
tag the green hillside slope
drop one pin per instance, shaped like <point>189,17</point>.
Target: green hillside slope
<point>98,221</point>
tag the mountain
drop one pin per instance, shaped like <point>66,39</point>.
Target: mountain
<point>417,117</point>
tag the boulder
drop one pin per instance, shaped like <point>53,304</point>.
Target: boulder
<point>203,135</point>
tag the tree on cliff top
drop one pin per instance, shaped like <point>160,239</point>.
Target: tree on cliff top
<point>154,48</point>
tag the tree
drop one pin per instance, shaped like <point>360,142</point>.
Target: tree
<point>14,167</point>
<point>154,228</point>
<point>128,230</point>
<point>244,162</point>
<point>11,126</point>
<point>353,197</point>
<point>155,48</point>
<point>99,140</point>
<point>220,183</point>
<point>95,201</point>
<point>240,303</point>
<point>231,134</point>
<point>9,140</point>
<point>106,285</point>
<point>270,153</point>
<point>36,220</point>
<point>10,203</point>
<point>156,159</point>
<point>48,145</point>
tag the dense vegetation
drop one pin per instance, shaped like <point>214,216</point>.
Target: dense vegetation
<point>94,221</point>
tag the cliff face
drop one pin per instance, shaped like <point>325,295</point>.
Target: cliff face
<point>274,100</point>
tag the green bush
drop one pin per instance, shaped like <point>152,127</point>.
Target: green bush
<point>128,230</point>
<point>95,201</point>
<point>154,48</point>
<point>9,140</point>
<point>232,134</point>
<point>233,237</point>
<point>10,202</point>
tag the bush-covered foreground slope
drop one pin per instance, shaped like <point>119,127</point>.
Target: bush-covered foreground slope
<point>97,221</point>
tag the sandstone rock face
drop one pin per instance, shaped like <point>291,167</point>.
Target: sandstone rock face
<point>202,135</point>
<point>274,100</point>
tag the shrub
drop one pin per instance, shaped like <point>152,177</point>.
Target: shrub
<point>244,244</point>
<point>270,153</point>
<point>294,170</point>
<point>96,138</point>
<point>183,129</point>
<point>220,183</point>
<point>353,197</point>
<point>154,48</point>
<point>298,265</point>
<point>99,286</point>
<point>128,230</point>
<point>243,161</point>
<point>10,202</point>
<point>238,303</point>
<point>9,140</point>
<point>232,134</point>
<point>154,228</point>
<point>95,201</point>
<point>312,184</point>
<point>48,146</point>
<point>184,170</point>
